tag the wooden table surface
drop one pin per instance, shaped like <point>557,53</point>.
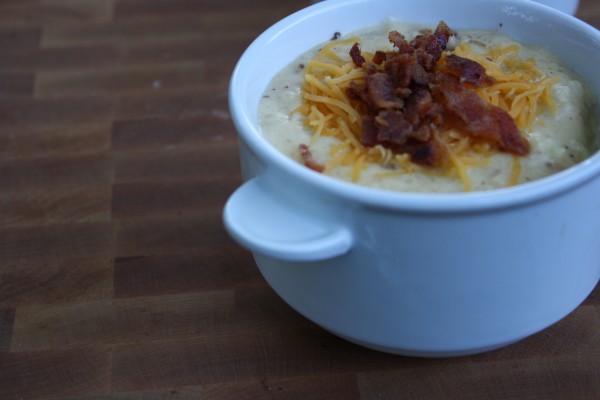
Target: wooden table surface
<point>117,279</point>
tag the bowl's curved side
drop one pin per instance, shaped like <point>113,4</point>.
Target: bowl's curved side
<point>427,285</point>
<point>430,275</point>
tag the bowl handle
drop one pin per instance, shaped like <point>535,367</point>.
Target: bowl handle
<point>255,218</point>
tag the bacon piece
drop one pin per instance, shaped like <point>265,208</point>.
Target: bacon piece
<point>358,92</point>
<point>442,34</point>
<point>379,57</point>
<point>468,70</point>
<point>420,104</point>
<point>511,139</point>
<point>356,56</point>
<point>478,118</point>
<point>381,91</point>
<point>430,153</point>
<point>371,69</point>
<point>308,159</point>
<point>368,132</point>
<point>377,93</point>
<point>398,40</point>
<point>430,46</point>
<point>392,128</point>
<point>393,131</point>
<point>361,94</point>
<point>398,68</point>
<point>419,75</point>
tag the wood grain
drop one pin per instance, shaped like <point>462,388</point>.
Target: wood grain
<point>117,278</point>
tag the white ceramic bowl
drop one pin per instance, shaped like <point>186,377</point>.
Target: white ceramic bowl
<point>416,274</point>
<point>566,6</point>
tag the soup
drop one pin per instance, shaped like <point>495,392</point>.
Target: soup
<point>301,113</point>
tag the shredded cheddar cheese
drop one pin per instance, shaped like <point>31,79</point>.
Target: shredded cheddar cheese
<point>520,88</point>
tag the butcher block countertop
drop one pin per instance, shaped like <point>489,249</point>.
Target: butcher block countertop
<point>117,278</point>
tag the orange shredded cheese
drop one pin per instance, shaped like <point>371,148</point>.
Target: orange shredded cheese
<point>520,88</point>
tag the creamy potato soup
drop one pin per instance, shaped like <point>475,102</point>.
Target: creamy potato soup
<point>301,113</point>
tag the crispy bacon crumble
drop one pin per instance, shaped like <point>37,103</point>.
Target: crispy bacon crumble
<point>308,159</point>
<point>413,92</point>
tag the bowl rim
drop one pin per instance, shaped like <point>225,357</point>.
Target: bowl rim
<point>521,194</point>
